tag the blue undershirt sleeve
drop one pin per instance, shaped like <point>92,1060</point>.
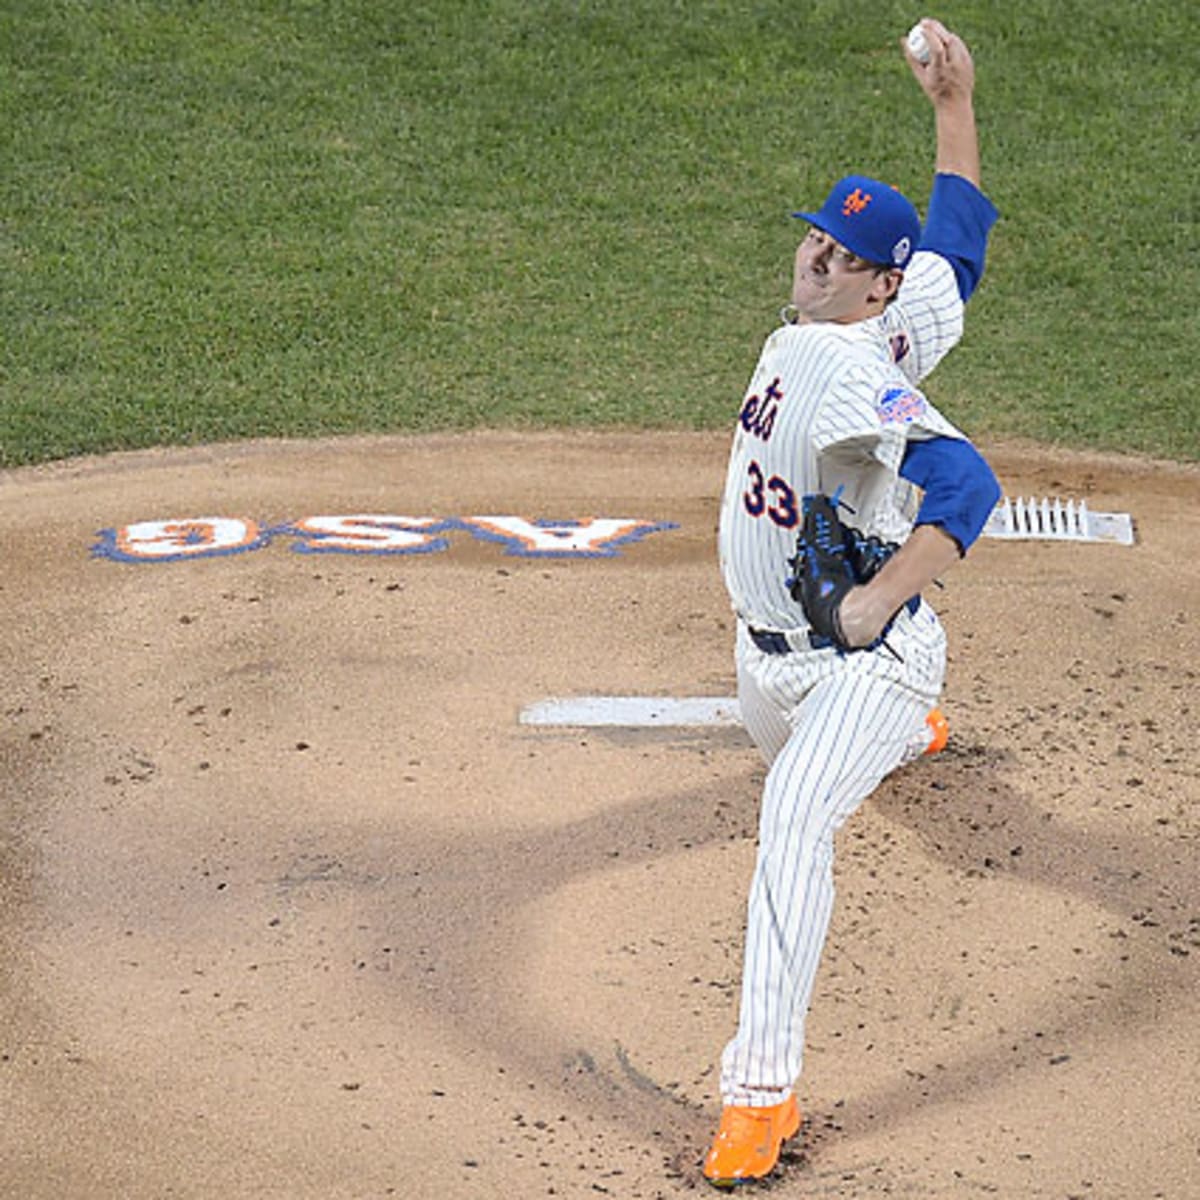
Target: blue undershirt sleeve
<point>957,226</point>
<point>960,488</point>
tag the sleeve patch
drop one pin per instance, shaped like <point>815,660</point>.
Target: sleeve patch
<point>899,406</point>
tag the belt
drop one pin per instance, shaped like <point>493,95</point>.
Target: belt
<point>773,641</point>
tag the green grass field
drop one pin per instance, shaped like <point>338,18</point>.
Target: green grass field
<point>230,219</point>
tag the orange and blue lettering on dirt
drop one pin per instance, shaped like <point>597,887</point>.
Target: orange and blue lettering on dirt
<point>173,539</point>
<point>369,533</point>
<point>758,412</point>
<point>855,202</point>
<point>592,537</point>
<point>372,533</point>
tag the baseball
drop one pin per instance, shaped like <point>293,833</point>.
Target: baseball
<point>917,45</point>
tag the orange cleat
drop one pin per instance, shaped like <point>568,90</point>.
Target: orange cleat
<point>748,1142</point>
<point>939,727</point>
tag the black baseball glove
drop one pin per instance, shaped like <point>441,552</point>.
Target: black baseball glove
<point>831,558</point>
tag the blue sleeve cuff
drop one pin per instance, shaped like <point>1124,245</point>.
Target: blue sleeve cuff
<point>957,227</point>
<point>960,488</point>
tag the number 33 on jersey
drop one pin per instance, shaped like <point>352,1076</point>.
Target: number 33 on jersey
<point>771,497</point>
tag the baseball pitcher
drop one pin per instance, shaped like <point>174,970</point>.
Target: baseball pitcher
<point>847,495</point>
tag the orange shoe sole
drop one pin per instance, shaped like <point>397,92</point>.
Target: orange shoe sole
<point>749,1141</point>
<point>939,727</point>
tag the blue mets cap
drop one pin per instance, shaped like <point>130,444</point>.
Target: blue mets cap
<point>871,218</point>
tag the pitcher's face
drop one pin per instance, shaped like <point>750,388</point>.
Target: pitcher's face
<point>832,283</point>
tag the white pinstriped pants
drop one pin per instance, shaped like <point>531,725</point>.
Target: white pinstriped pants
<point>831,727</point>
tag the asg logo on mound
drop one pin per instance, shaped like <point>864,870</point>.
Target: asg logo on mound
<point>172,540</point>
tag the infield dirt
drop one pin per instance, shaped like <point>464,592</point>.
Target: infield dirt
<point>292,904</point>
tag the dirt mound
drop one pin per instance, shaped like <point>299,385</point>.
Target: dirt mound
<point>294,906</point>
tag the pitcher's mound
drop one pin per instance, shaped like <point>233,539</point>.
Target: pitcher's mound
<point>291,904</point>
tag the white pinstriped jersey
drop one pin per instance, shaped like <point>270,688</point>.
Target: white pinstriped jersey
<point>832,406</point>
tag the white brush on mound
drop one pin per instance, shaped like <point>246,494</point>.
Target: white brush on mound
<point>1054,519</point>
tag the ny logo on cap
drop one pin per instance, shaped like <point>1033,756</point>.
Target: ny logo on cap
<point>855,202</point>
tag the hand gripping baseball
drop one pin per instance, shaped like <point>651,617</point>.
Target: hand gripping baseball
<point>831,560</point>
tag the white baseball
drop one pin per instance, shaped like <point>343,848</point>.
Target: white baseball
<point>917,45</point>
